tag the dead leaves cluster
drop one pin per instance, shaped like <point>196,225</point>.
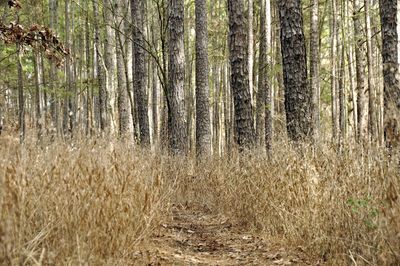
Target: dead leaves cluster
<point>14,3</point>
<point>36,36</point>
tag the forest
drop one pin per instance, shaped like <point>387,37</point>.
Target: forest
<point>200,132</point>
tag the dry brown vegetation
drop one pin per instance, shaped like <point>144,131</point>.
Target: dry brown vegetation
<point>99,202</point>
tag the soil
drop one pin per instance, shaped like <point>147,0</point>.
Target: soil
<point>196,237</point>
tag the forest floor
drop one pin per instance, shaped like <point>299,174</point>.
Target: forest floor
<point>194,236</point>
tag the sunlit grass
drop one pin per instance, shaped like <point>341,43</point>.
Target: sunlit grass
<point>98,201</point>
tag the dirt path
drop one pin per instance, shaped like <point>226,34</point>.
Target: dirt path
<point>195,237</point>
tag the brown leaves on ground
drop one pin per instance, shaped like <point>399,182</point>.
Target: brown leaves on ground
<point>197,237</point>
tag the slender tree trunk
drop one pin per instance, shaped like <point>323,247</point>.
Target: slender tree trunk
<point>108,96</point>
<point>122,96</point>
<point>372,125</point>
<point>203,130</point>
<point>156,100</point>
<point>37,97</point>
<point>389,10</point>
<point>140,71</point>
<point>238,55</point>
<point>89,98</point>
<point>265,97</point>
<point>298,96</point>
<point>362,107</point>
<point>342,96</point>
<point>314,64</point>
<point>176,95</point>
<point>98,73</point>
<point>350,60</point>
<point>251,48</point>
<point>67,109</point>
<point>21,99</point>
<point>216,118</point>
<point>52,74</point>
<point>334,72</point>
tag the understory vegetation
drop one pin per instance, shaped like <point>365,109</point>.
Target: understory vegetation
<point>99,201</point>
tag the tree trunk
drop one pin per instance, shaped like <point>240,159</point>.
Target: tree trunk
<point>362,107</point>
<point>238,55</point>
<point>140,71</point>
<point>203,130</point>
<point>68,114</point>
<point>21,99</point>
<point>122,96</point>
<point>372,125</point>
<point>52,74</point>
<point>108,95</point>
<point>334,72</point>
<point>37,96</point>
<point>89,96</point>
<point>98,73</point>
<point>349,51</point>
<point>298,96</point>
<point>389,10</point>
<point>264,98</point>
<point>251,49</point>
<point>176,95</point>
<point>314,64</point>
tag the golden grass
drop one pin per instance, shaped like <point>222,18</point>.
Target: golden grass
<point>342,209</point>
<point>96,201</point>
<point>70,205</point>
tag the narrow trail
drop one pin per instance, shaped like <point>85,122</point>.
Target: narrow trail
<point>196,237</point>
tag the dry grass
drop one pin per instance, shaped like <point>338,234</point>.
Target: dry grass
<point>72,205</point>
<point>341,209</point>
<point>97,202</point>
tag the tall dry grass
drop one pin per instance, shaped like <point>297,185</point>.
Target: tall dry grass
<point>96,201</point>
<point>340,208</point>
<point>91,202</point>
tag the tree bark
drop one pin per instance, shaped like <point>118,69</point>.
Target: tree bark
<point>21,99</point>
<point>334,71</point>
<point>37,97</point>
<point>372,125</point>
<point>265,106</point>
<point>176,95</point>
<point>140,71</point>
<point>251,48</point>
<point>122,97</point>
<point>238,55</point>
<point>68,115</point>
<point>314,64</point>
<point>52,74</point>
<point>108,93</point>
<point>360,50</point>
<point>389,10</point>
<point>203,130</point>
<point>298,96</point>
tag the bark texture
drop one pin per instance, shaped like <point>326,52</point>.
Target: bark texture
<point>373,121</point>
<point>122,98</point>
<point>140,71</point>
<point>176,95</point>
<point>390,55</point>
<point>203,130</point>
<point>264,98</point>
<point>360,49</point>
<point>298,96</point>
<point>110,66</point>
<point>21,99</point>
<point>238,57</point>
<point>52,73</point>
<point>314,63</point>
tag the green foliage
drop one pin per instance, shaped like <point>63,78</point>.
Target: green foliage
<point>365,209</point>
